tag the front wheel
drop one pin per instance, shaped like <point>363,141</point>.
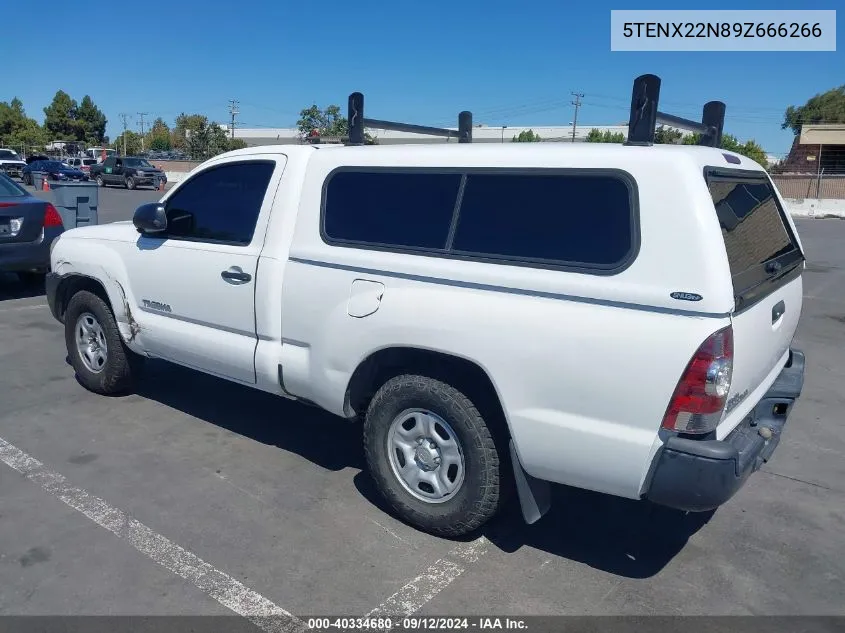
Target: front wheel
<point>432,456</point>
<point>130,183</point>
<point>97,353</point>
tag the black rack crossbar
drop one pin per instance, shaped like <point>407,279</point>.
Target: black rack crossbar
<point>410,127</point>
<point>645,116</point>
<point>358,122</point>
<point>676,121</point>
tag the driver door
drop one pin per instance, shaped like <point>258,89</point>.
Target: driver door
<point>194,286</point>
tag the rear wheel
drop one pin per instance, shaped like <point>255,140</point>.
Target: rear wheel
<point>432,456</point>
<point>100,181</point>
<point>102,362</point>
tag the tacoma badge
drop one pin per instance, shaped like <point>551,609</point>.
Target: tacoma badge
<point>156,305</point>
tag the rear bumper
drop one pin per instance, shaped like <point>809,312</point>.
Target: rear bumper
<point>699,475</point>
<point>25,256</point>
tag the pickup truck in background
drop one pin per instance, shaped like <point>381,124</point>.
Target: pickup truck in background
<point>127,171</point>
<point>11,164</point>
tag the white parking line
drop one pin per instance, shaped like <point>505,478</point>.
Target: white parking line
<point>414,595</point>
<point>213,582</point>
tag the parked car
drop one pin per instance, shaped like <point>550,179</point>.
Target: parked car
<point>55,170</point>
<point>82,164</point>
<point>10,163</point>
<point>128,171</point>
<point>28,226</point>
<point>612,317</point>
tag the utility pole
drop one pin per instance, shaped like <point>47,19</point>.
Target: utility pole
<point>233,111</point>
<point>577,103</point>
<point>142,115</point>
<point>124,116</point>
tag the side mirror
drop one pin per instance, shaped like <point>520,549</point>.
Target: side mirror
<point>150,218</point>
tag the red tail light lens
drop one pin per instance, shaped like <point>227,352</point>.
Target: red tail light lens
<point>52,217</point>
<point>699,398</point>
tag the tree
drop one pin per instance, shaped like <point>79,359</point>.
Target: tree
<point>826,107</point>
<point>326,122</point>
<point>60,118</point>
<point>204,139</point>
<point>750,149</point>
<point>19,131</point>
<point>158,138</point>
<point>526,136</point>
<point>186,125</point>
<point>597,136</point>
<point>664,135</point>
<point>133,143</point>
<point>90,122</point>
<point>12,117</point>
<point>236,143</point>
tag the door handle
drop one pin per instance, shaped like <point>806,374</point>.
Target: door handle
<point>235,275</point>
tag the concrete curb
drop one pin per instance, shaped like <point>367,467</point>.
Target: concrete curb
<point>815,208</point>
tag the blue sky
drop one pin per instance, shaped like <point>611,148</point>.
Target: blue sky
<point>511,63</point>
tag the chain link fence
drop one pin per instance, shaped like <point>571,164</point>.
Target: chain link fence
<point>801,186</point>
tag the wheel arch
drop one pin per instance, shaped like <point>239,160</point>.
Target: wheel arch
<point>114,296</point>
<point>462,373</point>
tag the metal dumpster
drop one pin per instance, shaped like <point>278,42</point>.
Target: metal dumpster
<point>76,202</point>
<point>38,179</point>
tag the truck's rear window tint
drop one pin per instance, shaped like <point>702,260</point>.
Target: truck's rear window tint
<point>753,225</point>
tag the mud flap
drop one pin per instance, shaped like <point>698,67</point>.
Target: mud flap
<point>534,494</point>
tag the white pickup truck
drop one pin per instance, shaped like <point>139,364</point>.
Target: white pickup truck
<point>617,318</point>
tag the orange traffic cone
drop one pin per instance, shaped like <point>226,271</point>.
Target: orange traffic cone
<point>46,184</point>
<point>161,184</point>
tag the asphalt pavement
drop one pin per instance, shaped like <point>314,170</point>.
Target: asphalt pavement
<point>198,496</point>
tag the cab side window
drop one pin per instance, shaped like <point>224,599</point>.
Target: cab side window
<point>220,204</point>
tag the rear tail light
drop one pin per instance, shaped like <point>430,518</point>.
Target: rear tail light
<point>51,217</point>
<point>701,393</point>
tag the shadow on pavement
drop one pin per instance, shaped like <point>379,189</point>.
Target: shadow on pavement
<point>633,539</point>
<point>11,287</point>
<point>629,538</point>
<point>319,437</point>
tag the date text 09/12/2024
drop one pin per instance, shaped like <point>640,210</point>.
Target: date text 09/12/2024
<point>415,624</point>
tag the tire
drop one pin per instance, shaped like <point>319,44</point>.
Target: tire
<point>119,364</point>
<point>414,398</point>
<point>100,181</point>
<point>130,183</point>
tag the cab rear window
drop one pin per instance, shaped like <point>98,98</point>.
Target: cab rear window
<point>758,240</point>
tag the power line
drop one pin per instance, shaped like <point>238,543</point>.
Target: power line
<point>577,103</point>
<point>233,111</point>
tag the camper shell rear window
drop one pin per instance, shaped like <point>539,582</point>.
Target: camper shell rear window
<point>759,241</point>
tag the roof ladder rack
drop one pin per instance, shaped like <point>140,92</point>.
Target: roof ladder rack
<point>645,116</point>
<point>357,123</point>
